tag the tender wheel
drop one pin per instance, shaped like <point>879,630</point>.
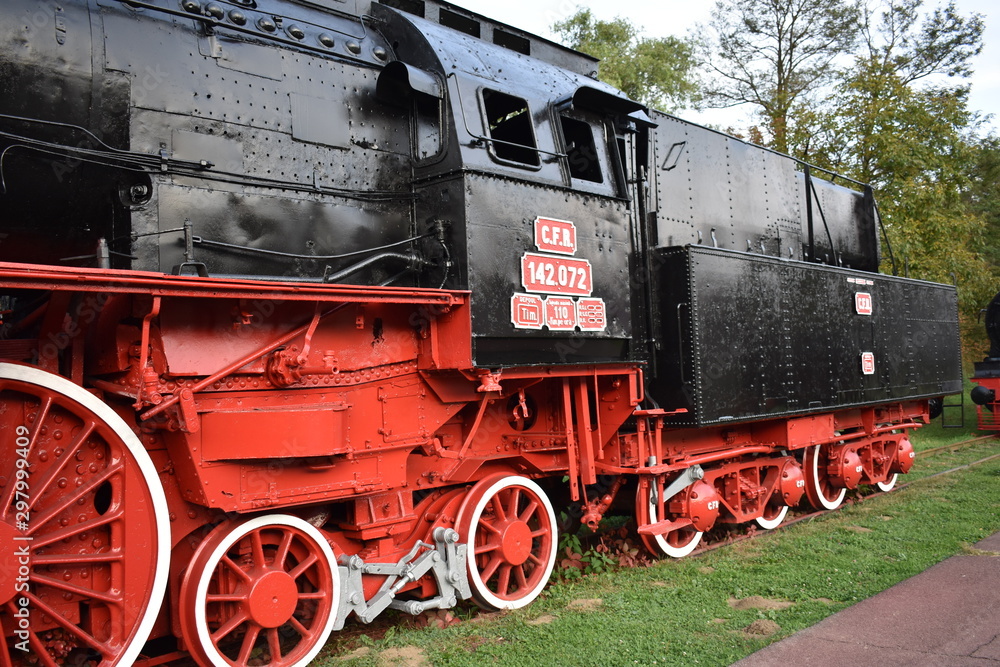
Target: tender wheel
<point>889,484</point>
<point>260,592</point>
<point>772,517</point>
<point>510,528</point>
<point>83,522</point>
<point>677,543</point>
<point>820,490</point>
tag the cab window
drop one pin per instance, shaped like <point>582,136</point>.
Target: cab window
<point>581,151</point>
<point>508,120</point>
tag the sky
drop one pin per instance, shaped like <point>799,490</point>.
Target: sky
<point>659,18</point>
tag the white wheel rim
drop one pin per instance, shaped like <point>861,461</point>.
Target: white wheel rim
<point>475,577</point>
<point>205,576</point>
<point>661,540</point>
<point>827,503</point>
<point>888,484</point>
<point>768,524</point>
<point>40,378</point>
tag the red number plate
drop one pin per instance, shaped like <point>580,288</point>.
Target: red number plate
<point>544,274</point>
<point>526,311</point>
<point>592,315</point>
<point>560,313</point>
<point>863,303</point>
<point>555,236</point>
<point>868,363</point>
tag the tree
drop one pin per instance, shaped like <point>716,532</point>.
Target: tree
<point>983,195</point>
<point>658,72</point>
<point>893,123</point>
<point>774,54</point>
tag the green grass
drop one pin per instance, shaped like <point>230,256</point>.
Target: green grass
<point>679,612</point>
<point>936,434</point>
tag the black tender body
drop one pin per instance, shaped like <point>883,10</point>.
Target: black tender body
<point>415,143</point>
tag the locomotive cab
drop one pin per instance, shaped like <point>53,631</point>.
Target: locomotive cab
<point>530,183</point>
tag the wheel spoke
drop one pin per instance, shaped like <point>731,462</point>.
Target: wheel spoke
<point>540,533</point>
<point>498,509</point>
<point>514,501</point>
<point>9,494</point>
<point>70,531</point>
<point>529,511</point>
<point>491,568</point>
<point>522,581</point>
<point>299,628</point>
<point>80,492</point>
<point>318,595</point>
<point>274,644</point>
<point>489,527</point>
<point>230,626</point>
<point>69,627</point>
<point>40,650</point>
<point>236,569</point>
<point>489,547</point>
<point>257,546</point>
<point>76,559</point>
<point>503,580</point>
<point>249,641</point>
<point>40,486</point>
<point>311,560</point>
<point>86,593</point>
<point>281,555</point>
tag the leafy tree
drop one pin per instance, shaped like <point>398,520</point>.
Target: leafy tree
<point>657,72</point>
<point>983,195</point>
<point>913,141</point>
<point>774,54</point>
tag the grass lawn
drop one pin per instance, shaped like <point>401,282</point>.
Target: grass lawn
<point>726,603</point>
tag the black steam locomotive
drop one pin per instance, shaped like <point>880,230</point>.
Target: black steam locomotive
<point>987,372</point>
<point>360,283</point>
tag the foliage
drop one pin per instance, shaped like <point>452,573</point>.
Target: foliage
<point>657,72</point>
<point>983,194</point>
<point>586,552</point>
<point>775,54</point>
<point>915,144</point>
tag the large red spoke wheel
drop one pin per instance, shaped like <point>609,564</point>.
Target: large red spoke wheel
<point>84,527</point>
<point>263,591</point>
<point>822,492</point>
<point>510,528</point>
<point>676,543</point>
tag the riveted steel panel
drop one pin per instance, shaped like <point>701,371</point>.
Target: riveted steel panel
<point>747,337</point>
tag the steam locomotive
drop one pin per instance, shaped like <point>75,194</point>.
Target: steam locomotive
<point>317,308</point>
<point>987,373</point>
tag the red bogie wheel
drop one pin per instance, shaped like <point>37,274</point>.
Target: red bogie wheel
<point>889,484</point>
<point>84,526</point>
<point>676,543</point>
<point>822,492</point>
<point>263,591</point>
<point>773,515</point>
<point>510,528</point>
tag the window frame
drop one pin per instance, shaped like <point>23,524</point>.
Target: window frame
<point>491,141</point>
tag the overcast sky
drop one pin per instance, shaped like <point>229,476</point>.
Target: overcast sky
<point>658,18</point>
